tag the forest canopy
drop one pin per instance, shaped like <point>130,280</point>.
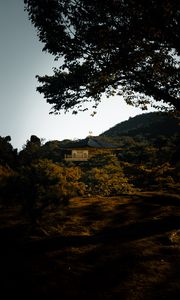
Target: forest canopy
<point>129,48</point>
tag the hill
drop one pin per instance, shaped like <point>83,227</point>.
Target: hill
<point>148,124</point>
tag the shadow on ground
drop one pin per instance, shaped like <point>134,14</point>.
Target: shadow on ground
<point>125,247</point>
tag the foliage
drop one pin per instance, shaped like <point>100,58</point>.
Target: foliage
<point>105,176</point>
<point>8,155</point>
<point>159,177</point>
<point>31,150</point>
<point>5,173</point>
<point>34,149</point>
<point>44,183</point>
<point>151,139</point>
<point>7,183</point>
<point>52,150</point>
<point>128,48</point>
<point>102,158</point>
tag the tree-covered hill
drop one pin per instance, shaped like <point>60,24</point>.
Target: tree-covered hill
<point>148,141</point>
<point>148,124</point>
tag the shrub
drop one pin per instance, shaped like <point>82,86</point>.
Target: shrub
<point>45,183</point>
<point>107,181</point>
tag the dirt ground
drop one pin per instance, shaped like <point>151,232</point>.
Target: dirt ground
<point>125,247</point>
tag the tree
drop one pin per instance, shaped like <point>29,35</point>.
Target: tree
<point>52,150</point>
<point>129,48</point>
<point>8,155</point>
<point>44,183</point>
<point>104,176</point>
<point>31,150</point>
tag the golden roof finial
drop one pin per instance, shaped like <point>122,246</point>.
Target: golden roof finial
<point>90,133</point>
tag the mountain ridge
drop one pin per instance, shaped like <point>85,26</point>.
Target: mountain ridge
<point>148,124</point>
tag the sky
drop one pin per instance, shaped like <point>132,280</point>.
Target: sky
<point>23,111</point>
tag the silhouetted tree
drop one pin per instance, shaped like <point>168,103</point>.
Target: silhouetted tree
<point>8,155</point>
<point>128,48</point>
<point>31,150</point>
<point>52,150</point>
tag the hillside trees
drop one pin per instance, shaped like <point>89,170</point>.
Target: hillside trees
<point>128,48</point>
<point>34,148</point>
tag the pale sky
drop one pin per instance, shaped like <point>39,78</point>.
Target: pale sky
<point>23,111</point>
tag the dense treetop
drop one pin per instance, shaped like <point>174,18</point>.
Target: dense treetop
<point>129,48</point>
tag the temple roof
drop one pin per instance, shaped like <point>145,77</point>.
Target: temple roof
<point>89,142</point>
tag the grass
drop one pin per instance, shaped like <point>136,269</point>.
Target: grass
<point>125,247</point>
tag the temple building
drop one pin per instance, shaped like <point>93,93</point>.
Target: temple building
<point>82,150</point>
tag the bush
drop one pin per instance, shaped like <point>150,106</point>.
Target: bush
<point>107,179</point>
<point>45,183</point>
<point>160,177</point>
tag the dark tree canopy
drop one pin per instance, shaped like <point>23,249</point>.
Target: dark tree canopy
<point>8,155</point>
<point>124,47</point>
